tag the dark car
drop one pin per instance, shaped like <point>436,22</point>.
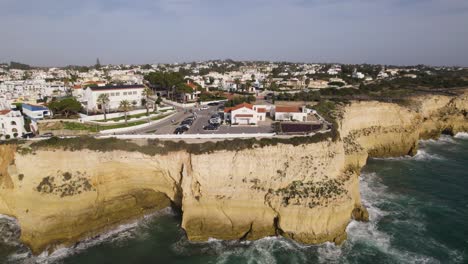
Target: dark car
<point>49,134</point>
<point>181,130</point>
<point>28,135</point>
<point>211,127</point>
<point>213,104</point>
<point>187,122</point>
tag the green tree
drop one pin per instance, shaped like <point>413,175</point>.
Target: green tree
<point>166,80</point>
<point>65,107</point>
<point>146,67</point>
<point>103,100</point>
<point>125,106</point>
<point>19,66</point>
<point>147,93</point>
<point>237,81</point>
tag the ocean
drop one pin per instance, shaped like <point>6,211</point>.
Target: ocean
<point>418,210</point>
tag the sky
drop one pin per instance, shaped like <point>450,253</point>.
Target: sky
<point>76,32</point>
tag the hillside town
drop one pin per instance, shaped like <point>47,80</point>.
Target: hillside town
<point>212,97</point>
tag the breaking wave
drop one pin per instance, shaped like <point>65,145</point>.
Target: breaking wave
<point>421,155</point>
<point>463,135</point>
<point>374,197</point>
<point>117,235</point>
<point>442,140</point>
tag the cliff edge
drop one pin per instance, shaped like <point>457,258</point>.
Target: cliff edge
<point>304,189</point>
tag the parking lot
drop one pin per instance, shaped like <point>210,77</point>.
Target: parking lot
<point>203,117</point>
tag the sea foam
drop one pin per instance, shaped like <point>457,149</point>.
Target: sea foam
<point>463,135</point>
<point>120,233</point>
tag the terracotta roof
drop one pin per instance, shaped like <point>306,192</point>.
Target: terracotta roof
<point>288,109</point>
<point>243,115</point>
<point>77,87</point>
<point>192,85</point>
<point>246,105</point>
<point>261,110</point>
<point>4,112</point>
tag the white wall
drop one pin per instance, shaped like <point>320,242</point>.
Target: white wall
<point>12,123</point>
<point>283,116</point>
<point>115,97</point>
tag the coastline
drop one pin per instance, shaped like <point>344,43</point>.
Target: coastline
<point>189,176</point>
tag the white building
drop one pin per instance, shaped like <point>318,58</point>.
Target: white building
<point>289,113</point>
<point>358,75</point>
<point>36,112</point>
<point>11,124</point>
<point>245,114</point>
<point>116,94</point>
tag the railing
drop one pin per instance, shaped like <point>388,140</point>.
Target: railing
<point>192,136</point>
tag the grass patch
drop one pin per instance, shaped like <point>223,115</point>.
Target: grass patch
<point>97,128</point>
<point>123,117</point>
<point>80,126</point>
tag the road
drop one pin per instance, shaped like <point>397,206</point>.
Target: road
<point>203,116</point>
<point>161,127</point>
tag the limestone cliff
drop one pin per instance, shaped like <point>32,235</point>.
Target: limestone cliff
<point>305,191</point>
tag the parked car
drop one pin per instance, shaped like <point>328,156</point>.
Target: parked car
<point>205,107</point>
<point>186,127</point>
<point>181,129</point>
<point>211,127</point>
<point>213,104</point>
<point>28,135</point>
<point>215,120</point>
<point>187,122</point>
<point>48,134</point>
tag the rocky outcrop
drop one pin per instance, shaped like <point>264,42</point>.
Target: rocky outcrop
<point>307,192</point>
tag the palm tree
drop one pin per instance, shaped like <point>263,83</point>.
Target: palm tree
<point>147,93</point>
<point>247,86</point>
<point>237,81</point>
<point>125,106</point>
<point>103,100</point>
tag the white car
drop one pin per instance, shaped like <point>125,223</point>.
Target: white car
<point>205,107</point>
<point>215,120</point>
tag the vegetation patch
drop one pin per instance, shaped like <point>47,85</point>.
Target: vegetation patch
<point>67,185</point>
<point>160,147</point>
<point>315,192</point>
<point>97,128</point>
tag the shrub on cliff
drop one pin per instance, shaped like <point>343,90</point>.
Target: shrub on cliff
<point>155,146</point>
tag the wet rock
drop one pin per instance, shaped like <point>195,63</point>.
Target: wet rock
<point>360,214</point>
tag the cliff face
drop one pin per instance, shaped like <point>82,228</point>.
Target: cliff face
<point>307,192</point>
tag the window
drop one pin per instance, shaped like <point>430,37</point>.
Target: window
<point>117,94</point>
<point>112,94</point>
<point>13,123</point>
<point>14,130</point>
<point>124,93</point>
<point>134,92</point>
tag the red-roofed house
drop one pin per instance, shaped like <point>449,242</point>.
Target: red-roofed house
<point>192,96</point>
<point>290,113</point>
<point>245,114</point>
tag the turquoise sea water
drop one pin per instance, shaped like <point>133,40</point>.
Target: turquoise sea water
<point>418,214</point>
